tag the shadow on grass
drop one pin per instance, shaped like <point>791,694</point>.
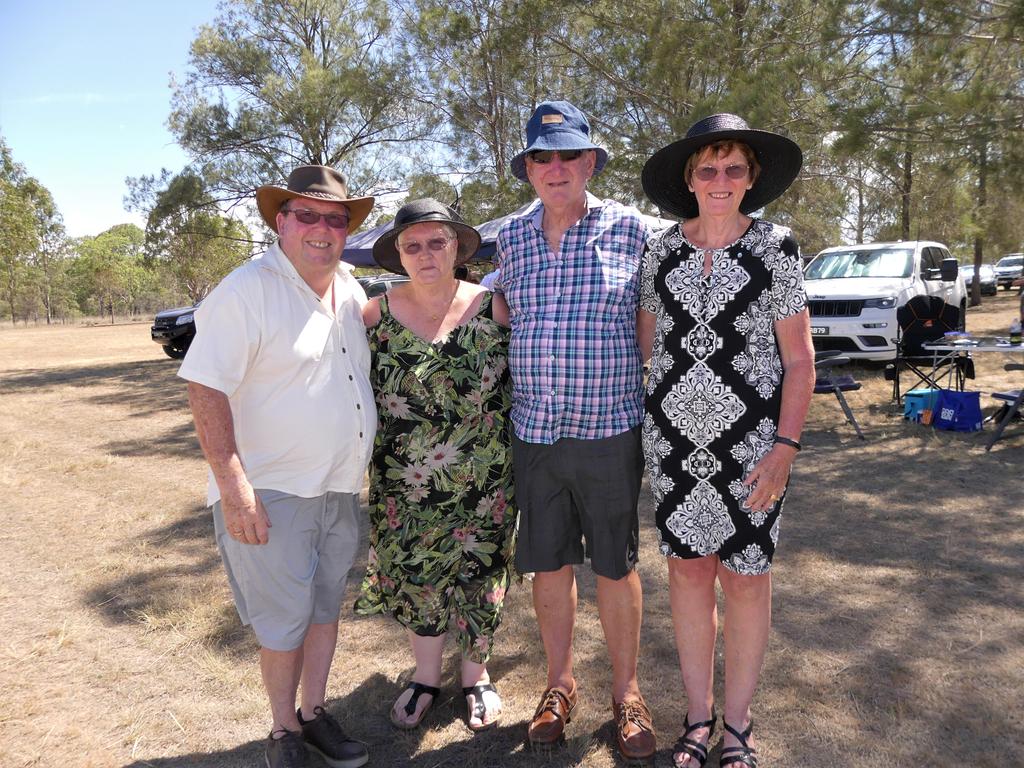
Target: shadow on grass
<point>168,575</point>
<point>363,715</point>
<point>921,533</point>
<point>144,387</point>
<point>916,528</point>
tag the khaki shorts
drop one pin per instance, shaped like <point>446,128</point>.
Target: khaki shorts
<point>574,492</point>
<point>298,577</point>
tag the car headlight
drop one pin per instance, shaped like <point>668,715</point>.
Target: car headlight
<point>886,302</point>
<point>184,319</point>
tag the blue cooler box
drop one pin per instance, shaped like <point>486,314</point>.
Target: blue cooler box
<point>918,400</point>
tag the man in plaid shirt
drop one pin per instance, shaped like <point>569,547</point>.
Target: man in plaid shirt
<point>569,274</point>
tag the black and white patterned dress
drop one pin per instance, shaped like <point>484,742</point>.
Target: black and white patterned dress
<point>715,388</point>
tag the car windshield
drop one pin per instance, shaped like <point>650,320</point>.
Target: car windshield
<point>878,262</point>
<point>1011,261</point>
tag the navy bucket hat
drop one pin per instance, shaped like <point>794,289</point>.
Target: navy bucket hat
<point>556,125</point>
<point>779,157</point>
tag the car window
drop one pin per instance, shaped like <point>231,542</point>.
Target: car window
<point>1011,261</point>
<point>876,262</point>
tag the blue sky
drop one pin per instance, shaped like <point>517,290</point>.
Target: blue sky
<point>84,96</point>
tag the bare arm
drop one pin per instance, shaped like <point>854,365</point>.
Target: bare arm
<point>244,515</point>
<point>371,312</point>
<point>645,323</point>
<point>771,474</point>
<point>499,310</point>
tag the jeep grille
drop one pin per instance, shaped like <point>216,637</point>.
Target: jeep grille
<point>835,308</point>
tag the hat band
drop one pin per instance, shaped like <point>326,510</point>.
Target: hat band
<point>321,195</point>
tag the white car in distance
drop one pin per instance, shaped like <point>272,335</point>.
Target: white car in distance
<point>853,292</point>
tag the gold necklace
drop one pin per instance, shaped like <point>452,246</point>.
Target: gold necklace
<point>447,305</point>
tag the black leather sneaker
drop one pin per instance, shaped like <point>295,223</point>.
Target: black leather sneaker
<point>288,751</point>
<point>324,736</point>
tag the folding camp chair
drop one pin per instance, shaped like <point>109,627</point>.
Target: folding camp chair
<point>828,380</point>
<point>1011,407</point>
<point>920,320</point>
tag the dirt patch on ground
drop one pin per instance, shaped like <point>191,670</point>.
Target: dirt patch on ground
<point>898,634</point>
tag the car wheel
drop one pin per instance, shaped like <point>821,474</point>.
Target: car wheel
<point>175,353</point>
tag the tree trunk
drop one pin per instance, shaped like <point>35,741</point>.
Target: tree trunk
<point>860,209</point>
<point>979,211</point>
<point>908,182</point>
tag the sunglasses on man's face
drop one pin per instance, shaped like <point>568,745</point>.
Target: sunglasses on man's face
<point>544,156</point>
<point>306,216</point>
<point>709,172</point>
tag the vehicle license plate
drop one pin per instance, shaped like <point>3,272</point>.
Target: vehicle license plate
<point>818,330</point>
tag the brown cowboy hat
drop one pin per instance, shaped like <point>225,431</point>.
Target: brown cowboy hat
<point>312,182</point>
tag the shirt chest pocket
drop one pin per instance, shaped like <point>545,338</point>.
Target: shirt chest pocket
<point>615,281</point>
<point>535,289</point>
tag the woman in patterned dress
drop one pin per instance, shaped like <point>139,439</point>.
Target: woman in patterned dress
<point>442,524</point>
<point>724,322</point>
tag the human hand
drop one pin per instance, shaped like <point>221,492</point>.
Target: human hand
<point>245,517</point>
<point>769,477</point>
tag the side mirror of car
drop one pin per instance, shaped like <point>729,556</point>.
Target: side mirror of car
<point>949,270</point>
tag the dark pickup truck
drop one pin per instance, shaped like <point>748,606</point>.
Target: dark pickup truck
<point>174,329</point>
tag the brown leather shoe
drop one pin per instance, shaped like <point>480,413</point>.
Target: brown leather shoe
<point>634,730</point>
<point>553,713</point>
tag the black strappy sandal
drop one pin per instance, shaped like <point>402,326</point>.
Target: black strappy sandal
<point>692,747</point>
<point>418,689</point>
<point>479,707</point>
<point>742,755</point>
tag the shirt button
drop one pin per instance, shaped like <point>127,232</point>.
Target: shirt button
<point>552,358</point>
<point>350,377</point>
<point>552,391</point>
<point>358,407</point>
<point>360,434</point>
<point>344,350</point>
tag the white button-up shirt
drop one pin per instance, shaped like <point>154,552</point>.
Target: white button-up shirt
<point>295,372</point>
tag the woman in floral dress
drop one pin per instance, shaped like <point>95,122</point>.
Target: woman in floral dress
<point>725,324</point>
<point>442,524</point>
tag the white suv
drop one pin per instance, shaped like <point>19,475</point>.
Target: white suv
<point>853,292</point>
<point>1009,268</point>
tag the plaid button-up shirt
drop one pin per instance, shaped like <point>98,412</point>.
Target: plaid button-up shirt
<point>576,369</point>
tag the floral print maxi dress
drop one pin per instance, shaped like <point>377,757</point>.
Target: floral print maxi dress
<point>442,521</point>
<point>715,388</point>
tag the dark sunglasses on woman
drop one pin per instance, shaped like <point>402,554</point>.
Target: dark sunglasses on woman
<point>709,172</point>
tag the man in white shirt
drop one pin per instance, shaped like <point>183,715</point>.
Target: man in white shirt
<point>279,387</point>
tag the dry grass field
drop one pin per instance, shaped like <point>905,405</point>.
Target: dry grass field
<point>898,635</point>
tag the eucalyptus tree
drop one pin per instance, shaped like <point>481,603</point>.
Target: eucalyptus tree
<point>31,240</point>
<point>109,270</point>
<point>654,67</point>
<point>188,238</point>
<point>933,96</point>
<point>480,67</point>
<point>273,84</point>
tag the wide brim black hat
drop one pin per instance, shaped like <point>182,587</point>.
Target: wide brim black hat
<point>425,210</point>
<point>665,185</point>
